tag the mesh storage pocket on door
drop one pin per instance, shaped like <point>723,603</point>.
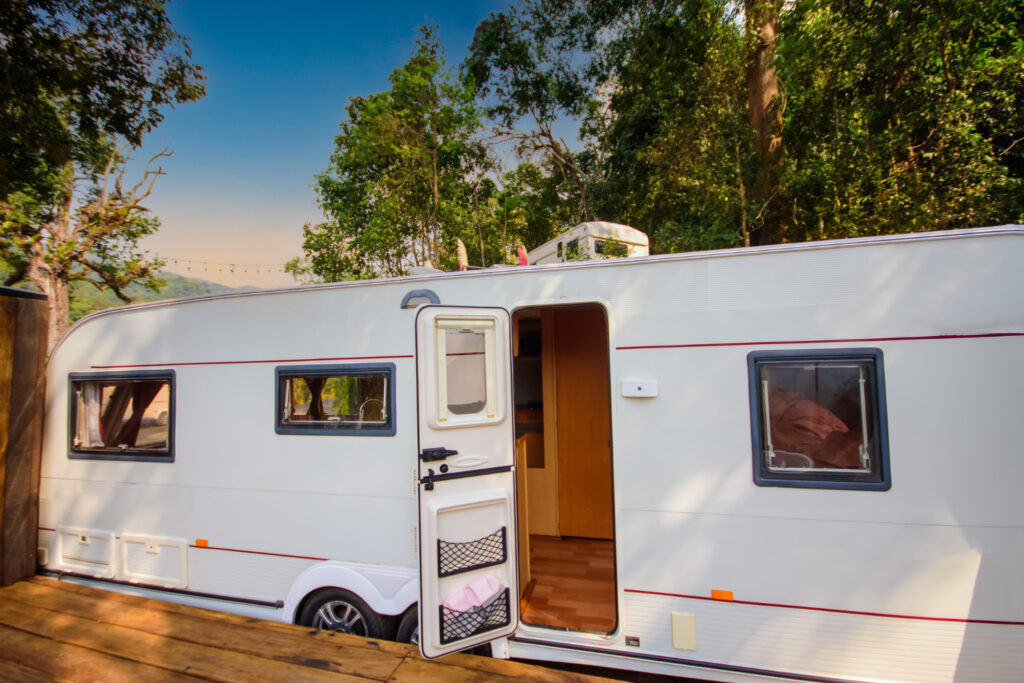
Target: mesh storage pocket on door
<point>493,614</point>
<point>455,558</point>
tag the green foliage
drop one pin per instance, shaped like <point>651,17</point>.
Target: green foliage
<point>892,117</point>
<point>523,63</point>
<point>81,80</point>
<point>705,123</point>
<point>612,248</point>
<point>399,181</point>
<point>903,116</point>
<point>63,234</point>
<point>78,72</point>
<point>677,150</point>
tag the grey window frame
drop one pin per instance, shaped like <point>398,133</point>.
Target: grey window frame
<point>284,372</point>
<point>126,376</point>
<point>879,478</point>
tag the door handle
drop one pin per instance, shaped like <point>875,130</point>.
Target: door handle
<point>439,453</point>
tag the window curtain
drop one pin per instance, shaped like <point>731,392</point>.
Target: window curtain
<point>89,423</point>
<point>316,406</point>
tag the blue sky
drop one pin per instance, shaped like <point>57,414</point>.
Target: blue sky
<point>239,186</point>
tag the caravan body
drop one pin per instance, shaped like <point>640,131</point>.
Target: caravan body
<point>799,461</point>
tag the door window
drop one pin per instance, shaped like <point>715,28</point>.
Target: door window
<point>466,371</point>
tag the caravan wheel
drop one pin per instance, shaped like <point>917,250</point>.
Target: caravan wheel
<point>409,628</point>
<point>409,632</point>
<point>339,610</point>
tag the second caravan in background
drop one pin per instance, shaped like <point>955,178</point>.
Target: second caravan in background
<point>591,240</point>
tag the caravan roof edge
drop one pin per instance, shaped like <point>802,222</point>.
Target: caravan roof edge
<point>603,263</point>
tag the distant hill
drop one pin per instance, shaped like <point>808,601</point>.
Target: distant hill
<point>86,299</point>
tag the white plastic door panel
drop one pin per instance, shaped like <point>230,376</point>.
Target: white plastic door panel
<point>468,584</point>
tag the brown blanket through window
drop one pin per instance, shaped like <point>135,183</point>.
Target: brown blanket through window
<point>802,426</point>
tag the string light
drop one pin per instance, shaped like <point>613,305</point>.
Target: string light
<point>257,268</point>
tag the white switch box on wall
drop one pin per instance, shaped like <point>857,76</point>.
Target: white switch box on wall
<point>640,388</point>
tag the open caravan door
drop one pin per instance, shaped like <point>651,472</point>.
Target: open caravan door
<point>468,583</point>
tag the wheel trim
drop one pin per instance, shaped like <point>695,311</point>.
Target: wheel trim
<point>340,616</point>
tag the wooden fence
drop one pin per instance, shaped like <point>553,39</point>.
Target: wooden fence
<point>23,320</point>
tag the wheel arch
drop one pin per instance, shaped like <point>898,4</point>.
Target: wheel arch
<point>388,591</point>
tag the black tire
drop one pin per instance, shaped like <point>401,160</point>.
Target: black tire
<point>409,627</point>
<point>336,609</point>
<point>409,632</point>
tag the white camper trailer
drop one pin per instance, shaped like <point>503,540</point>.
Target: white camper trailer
<point>790,462</point>
<point>591,240</point>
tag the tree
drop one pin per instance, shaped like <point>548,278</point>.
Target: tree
<point>903,116</point>
<point>524,207</point>
<point>716,123</point>
<point>765,112</point>
<point>400,176</point>
<point>679,107</point>
<point>678,148</point>
<point>521,62</point>
<point>93,239</point>
<point>77,71</point>
<point>83,81</point>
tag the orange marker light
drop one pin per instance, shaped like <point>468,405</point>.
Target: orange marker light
<point>202,543</point>
<point>721,595</point>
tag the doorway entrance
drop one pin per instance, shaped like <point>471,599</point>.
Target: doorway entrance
<point>564,468</point>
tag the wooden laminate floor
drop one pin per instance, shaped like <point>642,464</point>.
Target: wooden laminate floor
<point>57,631</point>
<point>572,584</point>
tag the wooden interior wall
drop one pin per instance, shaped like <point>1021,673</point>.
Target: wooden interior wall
<point>583,418</point>
<point>543,481</point>
<point>523,513</point>
<point>23,319</point>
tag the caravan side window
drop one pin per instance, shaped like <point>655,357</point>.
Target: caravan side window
<point>123,416</point>
<point>818,419</point>
<point>336,399</point>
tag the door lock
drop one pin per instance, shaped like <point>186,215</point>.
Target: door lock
<point>438,453</point>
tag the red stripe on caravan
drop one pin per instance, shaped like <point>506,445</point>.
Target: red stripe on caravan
<point>829,609</point>
<point>257,552</point>
<point>242,362</point>
<point>822,341</point>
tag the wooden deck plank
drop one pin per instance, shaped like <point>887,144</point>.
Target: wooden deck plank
<point>25,657</point>
<point>177,608</point>
<point>55,630</point>
<point>338,652</point>
<point>459,668</point>
<point>166,653</point>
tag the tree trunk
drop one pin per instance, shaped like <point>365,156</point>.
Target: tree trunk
<point>60,317</point>
<point>53,277</point>
<point>742,191</point>
<point>765,117</point>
